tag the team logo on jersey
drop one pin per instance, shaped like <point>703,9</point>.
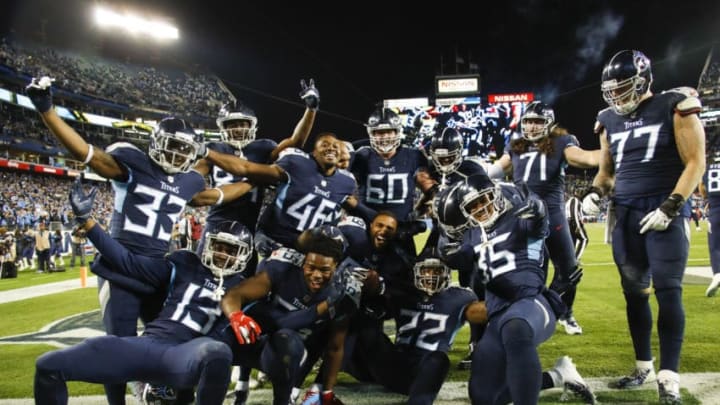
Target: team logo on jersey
<point>64,332</point>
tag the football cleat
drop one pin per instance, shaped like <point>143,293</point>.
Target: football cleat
<point>259,381</point>
<point>158,394</point>
<point>466,363</point>
<point>571,326</point>
<point>573,382</point>
<point>669,387</point>
<point>637,378</point>
<point>714,285</point>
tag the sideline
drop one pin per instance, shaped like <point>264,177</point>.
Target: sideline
<point>44,289</point>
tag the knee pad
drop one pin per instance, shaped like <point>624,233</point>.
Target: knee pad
<point>516,333</point>
<point>286,342</point>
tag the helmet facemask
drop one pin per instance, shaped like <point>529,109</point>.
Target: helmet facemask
<point>483,207</point>
<point>234,134</point>
<point>384,140</point>
<point>225,253</point>
<point>624,95</point>
<point>174,152</point>
<point>432,276</point>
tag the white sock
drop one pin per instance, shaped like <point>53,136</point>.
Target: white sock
<point>644,364</point>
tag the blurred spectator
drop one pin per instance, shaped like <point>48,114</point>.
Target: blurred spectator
<point>79,239</point>
<point>42,248</point>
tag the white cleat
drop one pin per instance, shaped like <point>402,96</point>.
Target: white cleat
<point>714,285</point>
<point>573,382</point>
<point>571,326</point>
<point>669,387</point>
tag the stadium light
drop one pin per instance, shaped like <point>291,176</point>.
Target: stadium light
<point>136,25</point>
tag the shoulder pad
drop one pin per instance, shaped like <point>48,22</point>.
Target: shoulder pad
<point>292,151</point>
<point>598,127</point>
<point>687,91</point>
<point>347,173</point>
<point>121,145</point>
<point>287,255</point>
<point>353,221</point>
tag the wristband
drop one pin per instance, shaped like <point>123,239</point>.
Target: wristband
<point>221,198</point>
<point>89,156</point>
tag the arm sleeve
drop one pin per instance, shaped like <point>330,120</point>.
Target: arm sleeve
<point>153,270</point>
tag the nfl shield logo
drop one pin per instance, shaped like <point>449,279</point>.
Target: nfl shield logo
<point>323,183</point>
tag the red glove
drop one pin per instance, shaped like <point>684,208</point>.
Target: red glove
<point>329,398</point>
<point>245,328</point>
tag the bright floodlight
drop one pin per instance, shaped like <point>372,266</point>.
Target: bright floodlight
<point>134,24</point>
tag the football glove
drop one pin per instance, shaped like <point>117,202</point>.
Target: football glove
<point>310,94</point>
<point>40,93</point>
<point>81,202</point>
<point>534,208</point>
<point>660,218</point>
<point>202,151</point>
<point>344,291</point>
<point>591,201</point>
<point>246,329</point>
<point>562,284</point>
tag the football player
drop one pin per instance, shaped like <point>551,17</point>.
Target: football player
<point>449,167</point>
<point>151,191</point>
<point>710,190</point>
<point>653,157</point>
<point>293,310</point>
<point>174,349</point>
<point>539,159</point>
<point>238,125</point>
<point>311,190</point>
<point>500,229</point>
<point>388,173</point>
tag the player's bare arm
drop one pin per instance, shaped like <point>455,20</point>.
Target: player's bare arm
<point>248,290</point>
<point>101,162</point>
<point>476,312</point>
<point>581,158</point>
<point>690,141</point>
<point>220,195</point>
<point>606,171</point>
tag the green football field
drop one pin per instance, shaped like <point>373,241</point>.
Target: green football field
<point>604,349</point>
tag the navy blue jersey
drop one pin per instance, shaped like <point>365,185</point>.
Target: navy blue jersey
<point>191,308</point>
<point>388,184</point>
<point>711,179</point>
<point>392,263</point>
<point>544,174</point>
<point>289,293</point>
<point>643,147</point>
<point>431,323</point>
<point>245,209</point>
<point>308,199</point>
<point>150,201</point>
<point>468,167</point>
<point>510,261</point>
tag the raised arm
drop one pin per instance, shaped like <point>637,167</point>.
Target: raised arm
<point>256,172</point>
<point>40,93</point>
<point>311,96</point>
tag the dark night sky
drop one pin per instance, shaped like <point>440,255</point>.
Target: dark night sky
<point>364,52</point>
